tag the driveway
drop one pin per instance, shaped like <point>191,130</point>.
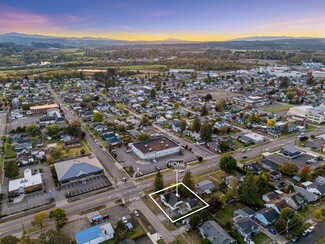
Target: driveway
<point>166,235</point>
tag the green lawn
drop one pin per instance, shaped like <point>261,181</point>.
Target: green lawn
<point>310,210</point>
<point>138,231</point>
<point>278,109</point>
<point>225,214</point>
<point>261,238</point>
<point>145,67</point>
<point>9,151</point>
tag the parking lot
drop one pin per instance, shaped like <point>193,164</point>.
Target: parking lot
<point>25,121</point>
<point>86,185</point>
<point>147,166</point>
<point>31,200</point>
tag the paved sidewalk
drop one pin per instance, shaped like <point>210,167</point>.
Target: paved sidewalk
<point>166,235</point>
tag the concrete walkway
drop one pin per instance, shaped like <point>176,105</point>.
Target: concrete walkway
<point>166,235</point>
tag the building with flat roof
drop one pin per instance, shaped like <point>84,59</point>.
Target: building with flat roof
<point>316,115</point>
<point>96,234</point>
<point>298,113</point>
<point>155,148</point>
<point>29,182</point>
<point>76,169</point>
<point>290,151</point>
<point>42,108</point>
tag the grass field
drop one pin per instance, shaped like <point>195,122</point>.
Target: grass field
<point>225,214</point>
<point>261,238</point>
<point>144,67</point>
<point>138,231</point>
<point>278,109</point>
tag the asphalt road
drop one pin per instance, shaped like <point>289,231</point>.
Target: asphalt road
<point>315,236</point>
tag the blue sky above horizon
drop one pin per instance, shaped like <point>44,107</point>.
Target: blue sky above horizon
<point>204,20</point>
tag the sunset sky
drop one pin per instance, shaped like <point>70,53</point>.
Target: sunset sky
<point>204,20</point>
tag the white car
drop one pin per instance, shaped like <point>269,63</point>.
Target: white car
<point>311,229</point>
<point>124,219</point>
<point>136,213</point>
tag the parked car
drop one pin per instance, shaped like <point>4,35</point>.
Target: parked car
<point>271,230</point>
<point>305,233</point>
<point>124,219</point>
<point>295,239</point>
<point>136,213</point>
<point>311,229</point>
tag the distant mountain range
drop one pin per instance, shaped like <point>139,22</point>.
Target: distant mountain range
<point>250,43</point>
<point>26,39</point>
<point>269,38</point>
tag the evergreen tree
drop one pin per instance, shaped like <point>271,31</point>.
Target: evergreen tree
<point>204,111</point>
<point>183,125</point>
<point>248,191</point>
<point>188,181</point>
<point>153,93</point>
<point>159,181</point>
<point>196,124</point>
<point>11,169</point>
<point>206,132</point>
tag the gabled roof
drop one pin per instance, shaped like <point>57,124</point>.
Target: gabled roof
<point>88,235</point>
<point>80,169</point>
<point>247,225</point>
<point>171,198</point>
<point>77,167</point>
<point>321,189</point>
<point>214,232</point>
<point>205,185</point>
<point>269,214</point>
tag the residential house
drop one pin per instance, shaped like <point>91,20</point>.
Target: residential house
<point>277,205</point>
<point>246,227</point>
<point>275,175</point>
<point>96,234</point>
<point>171,200</point>
<point>205,187</point>
<point>294,200</point>
<point>214,232</point>
<point>213,146</point>
<point>266,216</point>
<point>74,142</point>
<point>256,168</point>
<point>308,196</point>
<point>316,188</point>
<point>231,180</point>
<point>245,212</point>
<point>270,196</point>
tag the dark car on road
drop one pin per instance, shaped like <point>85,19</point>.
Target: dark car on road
<point>271,230</point>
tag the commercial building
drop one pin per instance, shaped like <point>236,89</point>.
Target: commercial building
<point>77,169</point>
<point>30,182</point>
<point>298,113</point>
<point>155,148</point>
<point>318,74</point>
<point>316,115</point>
<point>290,151</point>
<point>42,108</point>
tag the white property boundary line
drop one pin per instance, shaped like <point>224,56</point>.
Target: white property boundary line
<point>185,216</point>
